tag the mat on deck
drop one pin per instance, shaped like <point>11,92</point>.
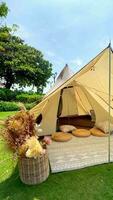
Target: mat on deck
<point>79,153</point>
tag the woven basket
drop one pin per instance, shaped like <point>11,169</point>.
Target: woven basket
<point>34,171</point>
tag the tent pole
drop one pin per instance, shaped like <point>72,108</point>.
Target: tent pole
<point>109,101</point>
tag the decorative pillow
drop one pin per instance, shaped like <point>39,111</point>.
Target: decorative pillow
<point>104,126</point>
<point>81,133</point>
<point>97,132</point>
<point>67,128</point>
<point>61,137</point>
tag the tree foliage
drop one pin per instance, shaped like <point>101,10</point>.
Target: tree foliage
<point>3,9</point>
<point>21,63</point>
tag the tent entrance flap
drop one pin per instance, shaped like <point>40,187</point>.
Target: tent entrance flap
<point>73,101</point>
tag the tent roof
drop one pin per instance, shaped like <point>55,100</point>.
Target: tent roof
<point>78,73</point>
<point>76,77</point>
<point>64,75</point>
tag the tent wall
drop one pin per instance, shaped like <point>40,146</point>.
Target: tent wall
<point>83,103</point>
<point>75,101</point>
<point>49,115</point>
<point>100,108</point>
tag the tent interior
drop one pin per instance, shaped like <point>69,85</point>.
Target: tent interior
<point>82,99</point>
<point>75,108</point>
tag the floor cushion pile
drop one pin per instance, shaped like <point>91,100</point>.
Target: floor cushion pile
<point>97,132</point>
<point>67,128</point>
<point>81,133</point>
<point>61,137</point>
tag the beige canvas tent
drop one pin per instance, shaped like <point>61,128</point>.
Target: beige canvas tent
<point>80,93</point>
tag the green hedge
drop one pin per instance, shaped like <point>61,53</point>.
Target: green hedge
<point>14,106</point>
<point>29,98</point>
<point>26,97</point>
<point>8,95</point>
<point>29,105</point>
<point>9,106</point>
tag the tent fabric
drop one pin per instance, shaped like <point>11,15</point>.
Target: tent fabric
<point>64,75</point>
<point>84,91</point>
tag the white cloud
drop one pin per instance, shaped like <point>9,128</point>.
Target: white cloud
<point>77,62</point>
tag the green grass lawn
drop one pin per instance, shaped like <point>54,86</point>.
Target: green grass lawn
<point>4,115</point>
<point>92,183</point>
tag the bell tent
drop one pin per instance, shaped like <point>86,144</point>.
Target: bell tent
<point>87,93</point>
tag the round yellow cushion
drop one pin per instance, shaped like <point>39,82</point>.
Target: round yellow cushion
<point>97,132</point>
<point>81,133</point>
<point>61,137</point>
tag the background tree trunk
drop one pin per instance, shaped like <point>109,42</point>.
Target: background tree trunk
<point>8,85</point>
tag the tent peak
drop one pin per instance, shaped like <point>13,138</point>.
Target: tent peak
<point>109,46</point>
<point>66,65</point>
<point>65,73</point>
<point>63,76</point>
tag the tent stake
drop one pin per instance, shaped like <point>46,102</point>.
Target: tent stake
<point>109,101</point>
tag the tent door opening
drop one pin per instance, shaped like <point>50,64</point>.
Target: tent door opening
<point>74,109</point>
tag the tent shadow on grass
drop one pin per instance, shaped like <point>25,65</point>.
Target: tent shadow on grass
<point>89,183</point>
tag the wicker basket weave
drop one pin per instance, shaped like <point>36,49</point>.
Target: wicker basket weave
<point>33,171</point>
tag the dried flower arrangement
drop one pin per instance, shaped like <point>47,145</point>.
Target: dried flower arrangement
<point>21,135</point>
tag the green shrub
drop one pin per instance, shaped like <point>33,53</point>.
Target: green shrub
<point>8,106</point>
<point>26,97</point>
<point>8,95</point>
<point>29,105</point>
<point>29,98</point>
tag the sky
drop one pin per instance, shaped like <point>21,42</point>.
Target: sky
<point>66,31</point>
